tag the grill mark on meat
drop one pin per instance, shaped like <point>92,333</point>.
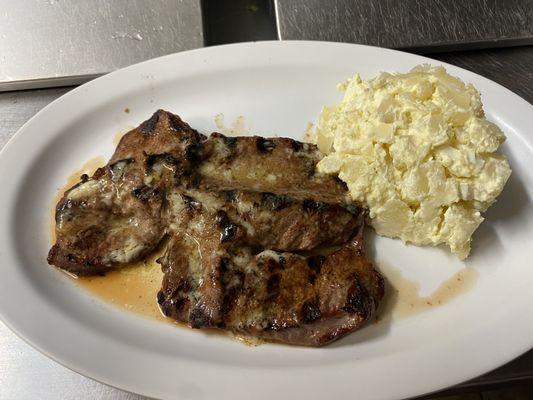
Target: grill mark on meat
<point>227,228</point>
<point>178,125</point>
<point>264,145</point>
<point>357,299</point>
<point>276,202</point>
<point>145,193</point>
<point>340,183</point>
<point>190,202</point>
<point>230,142</point>
<point>310,311</point>
<point>188,179</point>
<point>312,205</point>
<point>315,265</point>
<point>296,146</point>
<point>194,153</point>
<point>270,265</point>
<point>273,288</point>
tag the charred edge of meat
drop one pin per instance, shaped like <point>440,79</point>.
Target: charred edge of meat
<point>84,178</point>
<point>296,145</point>
<point>164,305</point>
<point>353,209</point>
<point>148,126</point>
<point>315,265</point>
<point>177,124</point>
<point>310,205</point>
<point>100,172</point>
<point>233,282</point>
<point>358,300</point>
<point>275,202</point>
<point>194,153</point>
<point>230,142</point>
<point>224,265</point>
<point>264,145</point>
<point>145,193</point>
<point>161,297</point>
<point>227,228</point>
<point>310,311</point>
<point>190,202</point>
<point>196,180</point>
<point>188,179</point>
<point>341,183</point>
<point>198,318</point>
<point>74,264</point>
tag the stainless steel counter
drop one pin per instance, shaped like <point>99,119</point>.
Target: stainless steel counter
<point>409,24</point>
<point>26,374</point>
<point>63,42</point>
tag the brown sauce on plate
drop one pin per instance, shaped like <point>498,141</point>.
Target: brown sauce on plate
<point>133,288</point>
<point>404,295</point>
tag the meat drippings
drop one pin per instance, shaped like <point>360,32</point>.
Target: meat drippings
<point>404,299</point>
<point>133,288</point>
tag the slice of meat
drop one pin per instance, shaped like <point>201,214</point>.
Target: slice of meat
<point>115,217</point>
<point>277,165</point>
<point>266,220</point>
<point>308,301</point>
<point>213,280</point>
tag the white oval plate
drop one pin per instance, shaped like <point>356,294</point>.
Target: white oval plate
<point>279,87</point>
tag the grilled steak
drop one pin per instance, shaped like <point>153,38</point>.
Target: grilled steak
<point>266,220</point>
<point>115,217</point>
<point>251,228</point>
<point>276,165</point>
<point>217,274</point>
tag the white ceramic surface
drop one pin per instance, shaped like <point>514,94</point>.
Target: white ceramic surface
<point>278,87</point>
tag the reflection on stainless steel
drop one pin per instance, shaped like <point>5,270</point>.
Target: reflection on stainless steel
<point>59,42</point>
<point>421,24</point>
